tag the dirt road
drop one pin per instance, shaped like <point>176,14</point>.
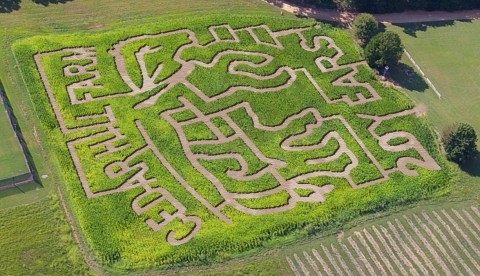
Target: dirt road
<point>395,18</point>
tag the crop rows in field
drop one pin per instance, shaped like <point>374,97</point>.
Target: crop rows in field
<point>201,130</point>
<point>443,242</point>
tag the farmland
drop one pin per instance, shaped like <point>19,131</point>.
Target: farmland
<point>440,241</point>
<point>451,67</point>
<point>46,248</point>
<point>31,19</point>
<point>223,90</point>
<point>51,237</point>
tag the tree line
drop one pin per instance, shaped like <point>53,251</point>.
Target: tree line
<point>383,49</point>
<point>386,6</point>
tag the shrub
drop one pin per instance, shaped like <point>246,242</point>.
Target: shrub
<point>460,143</point>
<point>384,49</point>
<point>365,27</point>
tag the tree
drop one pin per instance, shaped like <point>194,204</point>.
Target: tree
<point>384,49</point>
<point>460,143</point>
<point>365,27</point>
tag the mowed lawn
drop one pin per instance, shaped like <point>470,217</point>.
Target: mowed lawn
<point>449,54</point>
<point>12,162</point>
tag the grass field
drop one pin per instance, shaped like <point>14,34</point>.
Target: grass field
<point>33,19</point>
<point>448,54</point>
<point>36,240</point>
<point>220,99</point>
<point>12,162</point>
<point>438,241</point>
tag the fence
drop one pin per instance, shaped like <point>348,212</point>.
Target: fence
<point>24,178</point>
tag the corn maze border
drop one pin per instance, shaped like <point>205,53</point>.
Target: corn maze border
<point>138,171</point>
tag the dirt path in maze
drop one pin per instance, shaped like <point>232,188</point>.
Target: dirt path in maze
<point>180,77</point>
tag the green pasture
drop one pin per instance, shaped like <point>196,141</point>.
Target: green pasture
<point>121,240</point>
<point>36,240</point>
<point>440,238</point>
<point>448,54</point>
<point>12,162</point>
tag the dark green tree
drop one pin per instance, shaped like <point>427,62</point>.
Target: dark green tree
<point>459,142</point>
<point>384,49</point>
<point>365,27</point>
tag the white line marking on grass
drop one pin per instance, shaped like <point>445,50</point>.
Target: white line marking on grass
<point>474,233</point>
<point>429,247</point>
<point>471,219</point>
<point>388,249</point>
<point>376,262</point>
<point>446,242</point>
<point>361,256</point>
<point>475,210</point>
<point>423,74</point>
<point>415,246</point>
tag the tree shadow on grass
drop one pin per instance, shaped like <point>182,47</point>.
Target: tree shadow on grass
<point>7,6</point>
<point>412,28</point>
<point>48,2</point>
<point>405,76</point>
<point>472,167</point>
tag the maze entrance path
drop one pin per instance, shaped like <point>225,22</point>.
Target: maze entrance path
<point>200,129</point>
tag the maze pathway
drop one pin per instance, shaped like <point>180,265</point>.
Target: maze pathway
<point>115,150</point>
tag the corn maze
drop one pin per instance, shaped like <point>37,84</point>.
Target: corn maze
<point>194,142</point>
<point>441,242</point>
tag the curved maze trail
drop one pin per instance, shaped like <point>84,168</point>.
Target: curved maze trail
<point>441,237</point>
<point>98,136</point>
